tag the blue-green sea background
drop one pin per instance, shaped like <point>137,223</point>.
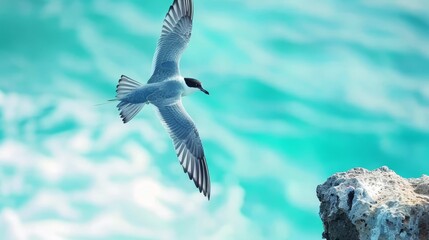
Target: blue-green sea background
<point>299,90</point>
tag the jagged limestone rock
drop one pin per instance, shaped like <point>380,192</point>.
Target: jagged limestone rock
<point>374,205</point>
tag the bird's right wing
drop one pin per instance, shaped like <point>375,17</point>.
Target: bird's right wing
<point>175,35</point>
<point>187,143</point>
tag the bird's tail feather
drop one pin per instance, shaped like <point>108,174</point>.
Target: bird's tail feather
<point>124,87</point>
<point>129,110</point>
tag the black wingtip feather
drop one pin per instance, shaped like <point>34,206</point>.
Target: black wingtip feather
<point>188,12</point>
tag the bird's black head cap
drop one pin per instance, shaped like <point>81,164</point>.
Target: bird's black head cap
<point>194,83</point>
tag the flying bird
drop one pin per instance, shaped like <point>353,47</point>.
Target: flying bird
<point>165,89</point>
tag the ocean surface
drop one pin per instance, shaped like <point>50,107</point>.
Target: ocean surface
<point>299,90</point>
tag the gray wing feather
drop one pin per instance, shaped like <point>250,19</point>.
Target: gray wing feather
<point>175,35</point>
<point>187,144</point>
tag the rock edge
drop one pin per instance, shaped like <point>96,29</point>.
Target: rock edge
<point>376,205</point>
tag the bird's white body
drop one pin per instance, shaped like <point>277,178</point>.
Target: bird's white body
<point>165,89</point>
<point>159,92</point>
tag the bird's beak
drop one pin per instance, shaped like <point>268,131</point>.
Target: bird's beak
<point>204,91</point>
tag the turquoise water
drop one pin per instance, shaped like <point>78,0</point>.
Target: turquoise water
<point>298,91</point>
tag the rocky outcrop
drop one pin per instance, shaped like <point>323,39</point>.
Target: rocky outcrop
<point>376,205</point>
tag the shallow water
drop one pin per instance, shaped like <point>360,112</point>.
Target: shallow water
<point>298,91</point>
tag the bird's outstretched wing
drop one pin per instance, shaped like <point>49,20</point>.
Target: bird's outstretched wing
<point>175,35</point>
<point>187,144</point>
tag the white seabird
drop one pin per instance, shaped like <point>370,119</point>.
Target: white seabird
<point>165,89</point>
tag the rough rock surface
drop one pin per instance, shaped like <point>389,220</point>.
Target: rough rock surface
<point>376,205</point>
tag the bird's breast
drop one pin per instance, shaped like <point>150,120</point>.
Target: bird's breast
<point>168,91</point>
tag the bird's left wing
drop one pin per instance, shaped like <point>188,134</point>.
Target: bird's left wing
<point>175,35</point>
<point>187,144</point>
